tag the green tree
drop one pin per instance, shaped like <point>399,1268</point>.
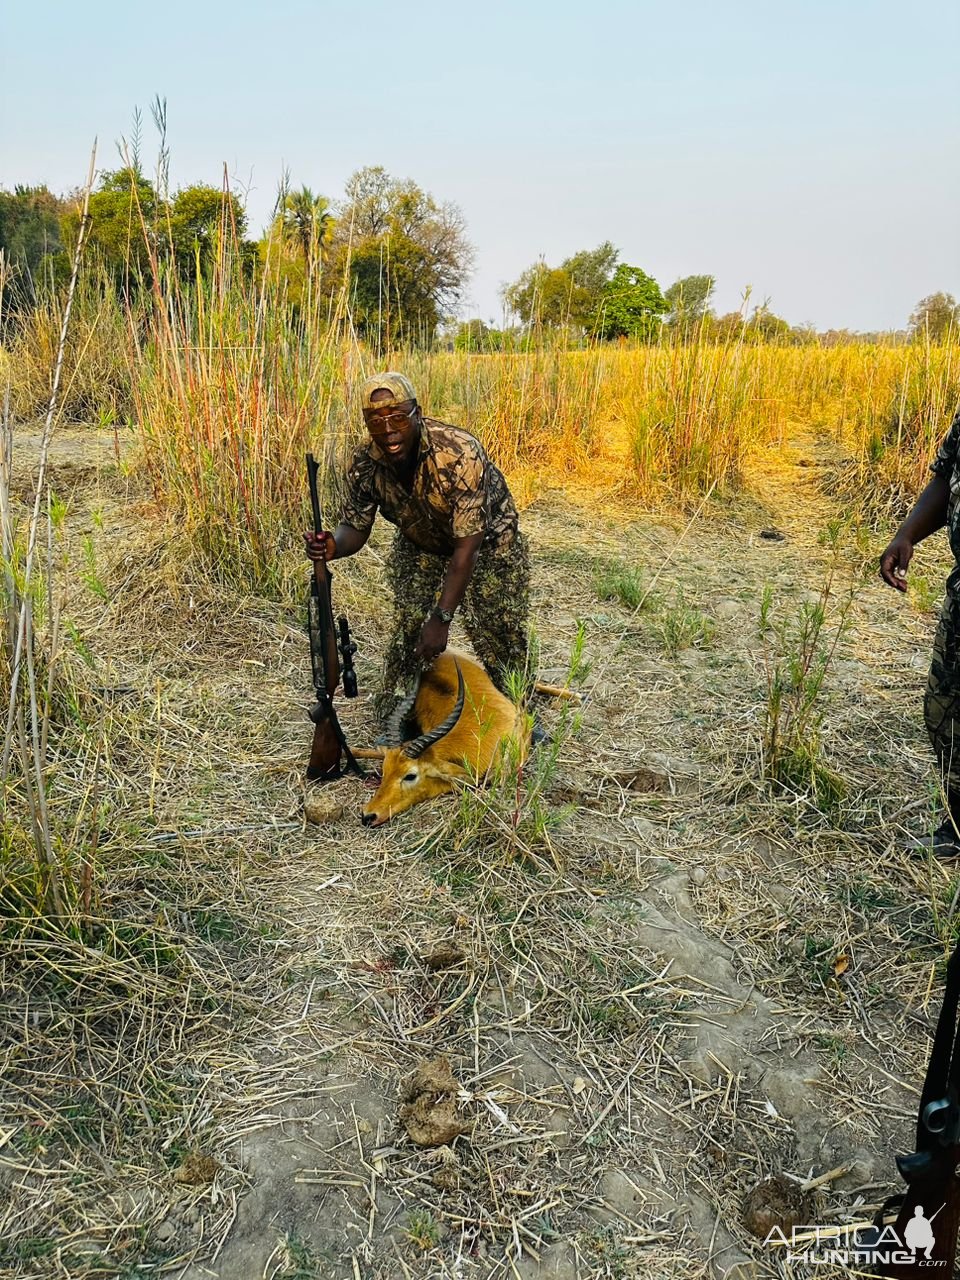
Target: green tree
<point>477,335</point>
<point>935,317</point>
<point>590,271</point>
<point>631,306</point>
<point>548,296</point>
<point>29,239</point>
<point>199,216</point>
<point>123,223</point>
<point>29,226</point>
<point>765,326</point>
<point>472,335</point>
<point>569,295</point>
<point>405,257</point>
<point>729,327</point>
<point>688,301</point>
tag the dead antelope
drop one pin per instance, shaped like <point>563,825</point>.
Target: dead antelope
<point>463,720</point>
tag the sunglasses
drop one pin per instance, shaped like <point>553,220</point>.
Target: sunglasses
<point>381,424</point>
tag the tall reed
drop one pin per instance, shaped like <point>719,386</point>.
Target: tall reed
<point>540,407</point>
<point>691,411</point>
<point>30,653</point>
<point>95,382</point>
<point>895,428</point>
<point>232,380</point>
<point>232,385</point>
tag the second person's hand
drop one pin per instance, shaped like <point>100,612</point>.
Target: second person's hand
<point>895,561</point>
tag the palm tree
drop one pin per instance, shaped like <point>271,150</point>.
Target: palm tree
<point>306,221</point>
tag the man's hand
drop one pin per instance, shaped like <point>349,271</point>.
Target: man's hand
<point>434,635</point>
<point>320,546</point>
<point>895,561</point>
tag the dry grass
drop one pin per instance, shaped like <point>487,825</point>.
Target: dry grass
<point>678,982</point>
<point>231,398</point>
<point>655,977</point>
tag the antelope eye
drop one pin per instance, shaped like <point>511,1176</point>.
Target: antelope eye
<point>410,777</point>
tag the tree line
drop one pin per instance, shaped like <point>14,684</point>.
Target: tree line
<point>400,257</point>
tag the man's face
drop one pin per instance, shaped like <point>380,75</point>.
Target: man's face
<point>395,428</point>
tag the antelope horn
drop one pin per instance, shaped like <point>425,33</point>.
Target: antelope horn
<point>394,729</point>
<point>419,745</point>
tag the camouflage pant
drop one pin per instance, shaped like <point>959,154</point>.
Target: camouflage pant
<point>941,702</point>
<point>494,611</point>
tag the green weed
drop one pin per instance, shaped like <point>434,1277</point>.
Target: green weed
<point>618,581</point>
<point>836,1046</point>
<point>298,1261</point>
<point>819,953</point>
<point>797,653</point>
<point>423,1230</point>
<point>682,626</point>
<point>925,594</point>
<point>605,1245</point>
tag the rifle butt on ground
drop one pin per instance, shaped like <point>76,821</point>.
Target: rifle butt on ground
<point>938,1196</point>
<point>324,762</point>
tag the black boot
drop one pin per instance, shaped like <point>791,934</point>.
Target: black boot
<point>944,842</point>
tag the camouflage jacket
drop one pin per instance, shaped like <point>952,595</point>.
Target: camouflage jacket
<point>455,491</point>
<point>947,464</point>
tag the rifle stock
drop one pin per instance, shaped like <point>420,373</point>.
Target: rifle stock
<point>324,759</point>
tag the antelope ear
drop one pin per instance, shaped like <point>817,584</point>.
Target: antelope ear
<point>452,771</point>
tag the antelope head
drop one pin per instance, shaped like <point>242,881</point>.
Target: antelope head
<point>419,769</point>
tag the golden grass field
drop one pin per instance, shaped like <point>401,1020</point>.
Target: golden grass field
<point>679,951</point>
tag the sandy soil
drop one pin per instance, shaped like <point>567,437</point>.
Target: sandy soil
<point>687,983</point>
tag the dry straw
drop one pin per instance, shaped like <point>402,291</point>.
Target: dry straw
<point>636,957</point>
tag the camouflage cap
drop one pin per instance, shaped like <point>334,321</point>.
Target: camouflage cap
<point>398,384</point>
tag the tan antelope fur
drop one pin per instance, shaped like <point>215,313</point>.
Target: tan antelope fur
<point>463,720</point>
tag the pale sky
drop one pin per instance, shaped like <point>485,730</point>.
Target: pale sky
<point>809,150</point>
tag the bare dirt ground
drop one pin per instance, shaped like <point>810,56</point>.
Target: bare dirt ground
<point>680,984</point>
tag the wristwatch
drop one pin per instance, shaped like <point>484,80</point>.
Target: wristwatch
<point>445,615</point>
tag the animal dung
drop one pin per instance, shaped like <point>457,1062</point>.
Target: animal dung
<point>428,1109</point>
<point>777,1201</point>
<point>321,809</point>
<point>196,1170</point>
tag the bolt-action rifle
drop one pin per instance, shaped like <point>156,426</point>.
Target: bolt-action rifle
<point>329,647</point>
<point>931,1202</point>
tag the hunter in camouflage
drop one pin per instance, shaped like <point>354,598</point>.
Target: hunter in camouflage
<point>494,611</point>
<point>939,505</point>
<point>457,540</point>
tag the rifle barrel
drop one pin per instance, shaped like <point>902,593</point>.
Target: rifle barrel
<point>312,469</point>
